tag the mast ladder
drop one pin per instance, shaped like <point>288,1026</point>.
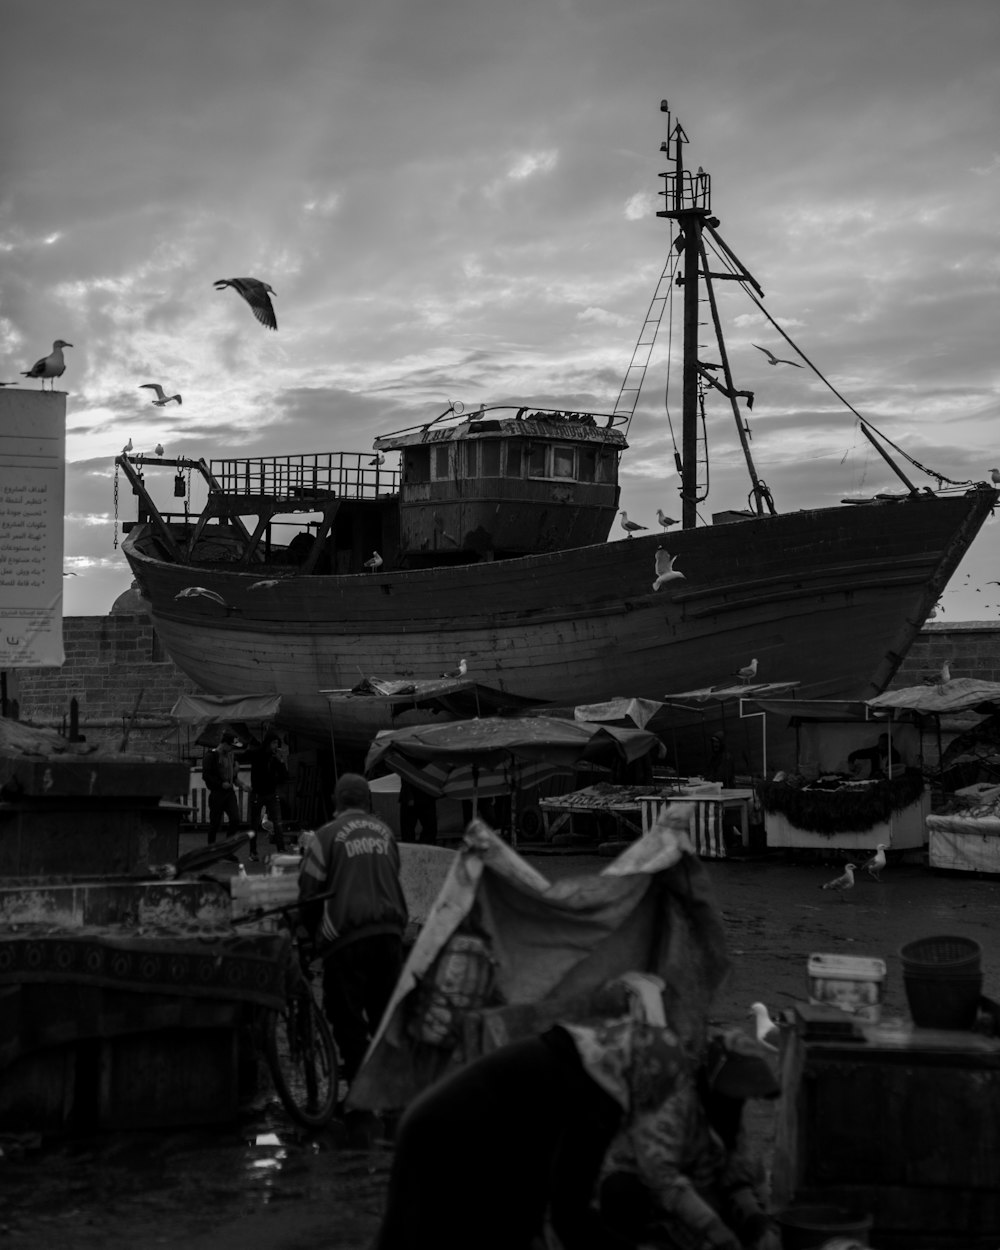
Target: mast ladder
<point>635,374</point>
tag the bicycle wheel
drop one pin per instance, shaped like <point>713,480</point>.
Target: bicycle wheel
<point>302,1057</point>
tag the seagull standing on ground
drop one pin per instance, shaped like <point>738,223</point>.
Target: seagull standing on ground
<point>462,669</point>
<point>375,562</point>
<point>776,360</point>
<point>766,1030</point>
<point>875,865</point>
<point>665,571</point>
<point>631,526</point>
<point>665,521</point>
<point>843,883</point>
<point>747,673</point>
<point>51,366</point>
<point>161,397</point>
<point>256,294</point>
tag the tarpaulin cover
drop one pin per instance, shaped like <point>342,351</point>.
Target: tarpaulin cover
<point>814,709</point>
<point>638,712</point>
<point>494,754</point>
<point>554,944</point>
<point>962,694</point>
<point>460,696</point>
<point>196,709</point>
<point>729,694</point>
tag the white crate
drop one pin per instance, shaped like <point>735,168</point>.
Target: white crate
<point>854,983</point>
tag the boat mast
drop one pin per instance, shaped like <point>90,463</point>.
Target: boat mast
<point>687,200</point>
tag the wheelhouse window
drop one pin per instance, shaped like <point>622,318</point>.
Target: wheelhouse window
<point>536,460</point>
<point>471,451</point>
<point>563,461</point>
<point>417,465</point>
<point>588,464</point>
<point>489,458</point>
<point>440,468</point>
<point>514,460</point>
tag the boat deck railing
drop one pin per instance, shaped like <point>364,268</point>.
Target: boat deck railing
<point>345,474</point>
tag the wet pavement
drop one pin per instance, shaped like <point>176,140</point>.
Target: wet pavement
<point>263,1185</point>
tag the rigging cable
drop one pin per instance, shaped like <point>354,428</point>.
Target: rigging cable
<point>939,477</point>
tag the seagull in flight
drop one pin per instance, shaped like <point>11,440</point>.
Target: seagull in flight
<point>375,562</point>
<point>748,672</point>
<point>631,526</point>
<point>266,584</point>
<point>462,669</point>
<point>665,521</point>
<point>51,366</point>
<point>877,862</point>
<point>843,883</point>
<point>257,295</point>
<point>199,592</point>
<point>161,397</point>
<point>766,1031</point>
<point>776,360</point>
<point>665,571</point>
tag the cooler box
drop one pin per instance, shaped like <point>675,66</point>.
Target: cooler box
<point>853,983</point>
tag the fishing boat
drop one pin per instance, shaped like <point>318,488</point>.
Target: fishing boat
<point>484,554</point>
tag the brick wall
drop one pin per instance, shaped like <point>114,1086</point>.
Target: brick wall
<point>972,649</point>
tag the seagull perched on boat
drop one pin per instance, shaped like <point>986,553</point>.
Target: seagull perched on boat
<point>631,526</point>
<point>875,865</point>
<point>665,521</point>
<point>161,396</point>
<point>995,476</point>
<point>375,562</point>
<point>665,571</point>
<point>256,294</point>
<point>196,592</point>
<point>843,883</point>
<point>776,360</point>
<point>378,460</point>
<point>766,1031</point>
<point>747,673</point>
<point>158,449</point>
<point>127,448</point>
<point>51,366</point>
<point>462,669</point>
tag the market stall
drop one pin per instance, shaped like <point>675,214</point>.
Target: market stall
<point>827,802</point>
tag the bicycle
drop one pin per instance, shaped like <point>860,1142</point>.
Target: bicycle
<point>297,1040</point>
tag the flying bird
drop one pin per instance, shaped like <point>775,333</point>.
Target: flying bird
<point>766,1031</point>
<point>51,366</point>
<point>748,672</point>
<point>378,460</point>
<point>665,571</point>
<point>843,883</point>
<point>8,384</point>
<point>631,526</point>
<point>375,562</point>
<point>158,449</point>
<point>257,295</point>
<point>196,592</point>
<point>665,521</point>
<point>161,397</point>
<point>776,360</point>
<point>875,865</point>
<point>127,448</point>
<point>462,669</point>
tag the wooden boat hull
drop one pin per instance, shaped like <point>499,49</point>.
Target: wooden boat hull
<point>831,599</point>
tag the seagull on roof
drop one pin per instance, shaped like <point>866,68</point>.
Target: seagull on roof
<point>775,360</point>
<point>375,562</point>
<point>665,521</point>
<point>875,865</point>
<point>665,571</point>
<point>630,526</point>
<point>843,883</point>
<point>161,397</point>
<point>51,366</point>
<point>765,1030</point>
<point>462,669</point>
<point>748,672</point>
<point>257,295</point>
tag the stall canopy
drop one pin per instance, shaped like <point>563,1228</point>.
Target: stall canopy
<point>458,696</point>
<point>962,694</point>
<point>623,712</point>
<point>466,759</point>
<point>706,696</point>
<point>200,709</point>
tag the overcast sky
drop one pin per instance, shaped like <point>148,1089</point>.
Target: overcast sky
<point>455,199</point>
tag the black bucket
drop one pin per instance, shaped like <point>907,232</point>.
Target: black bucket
<point>804,1228</point>
<point>942,999</point>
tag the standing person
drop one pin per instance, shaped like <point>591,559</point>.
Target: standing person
<point>359,929</point>
<point>268,773</point>
<point>721,765</point>
<point>417,807</point>
<point>221,774</point>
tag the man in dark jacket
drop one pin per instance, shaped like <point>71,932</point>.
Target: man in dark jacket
<point>221,775</point>
<point>358,930</point>
<point>268,774</point>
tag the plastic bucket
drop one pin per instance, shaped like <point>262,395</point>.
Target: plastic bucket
<point>940,953</point>
<point>945,999</point>
<point>804,1228</point>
